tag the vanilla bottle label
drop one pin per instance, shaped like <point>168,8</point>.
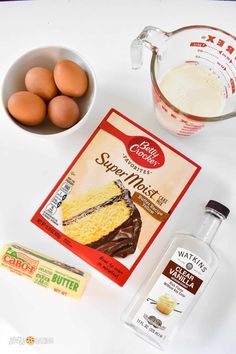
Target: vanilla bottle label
<point>171,295</point>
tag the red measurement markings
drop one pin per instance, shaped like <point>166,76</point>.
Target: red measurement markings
<point>205,51</point>
<point>184,131</point>
<point>199,57</point>
<point>164,108</point>
<point>225,55</point>
<point>226,92</point>
<point>187,126</point>
<point>180,134</point>
<point>213,48</point>
<point>197,44</point>
<point>227,82</point>
<point>232,85</point>
<point>223,67</point>
<point>191,61</point>
<point>229,67</point>
<point>220,43</point>
<point>230,62</point>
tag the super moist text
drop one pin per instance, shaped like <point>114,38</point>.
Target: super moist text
<point>133,179</point>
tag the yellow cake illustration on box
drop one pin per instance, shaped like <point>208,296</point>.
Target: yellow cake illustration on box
<point>104,218</point>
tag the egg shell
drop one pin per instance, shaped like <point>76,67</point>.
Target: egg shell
<point>63,111</point>
<point>70,78</point>
<point>40,81</point>
<point>27,108</point>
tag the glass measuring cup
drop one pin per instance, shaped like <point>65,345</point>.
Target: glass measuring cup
<point>209,47</point>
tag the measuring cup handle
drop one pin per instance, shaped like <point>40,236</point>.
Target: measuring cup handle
<point>144,39</point>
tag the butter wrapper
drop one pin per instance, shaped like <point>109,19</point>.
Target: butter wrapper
<point>43,270</point>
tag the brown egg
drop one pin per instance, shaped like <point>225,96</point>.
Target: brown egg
<point>63,111</point>
<point>70,78</point>
<point>27,108</point>
<point>41,82</point>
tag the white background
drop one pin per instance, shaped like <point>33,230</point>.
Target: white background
<point>102,32</point>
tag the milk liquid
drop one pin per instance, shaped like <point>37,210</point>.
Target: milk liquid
<point>193,89</point>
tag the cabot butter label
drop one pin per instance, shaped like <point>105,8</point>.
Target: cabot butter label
<point>116,196</point>
<point>43,270</point>
<point>20,261</point>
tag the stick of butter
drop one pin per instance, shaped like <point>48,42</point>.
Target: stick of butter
<point>43,270</point>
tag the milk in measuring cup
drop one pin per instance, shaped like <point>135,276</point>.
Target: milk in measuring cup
<point>193,89</point>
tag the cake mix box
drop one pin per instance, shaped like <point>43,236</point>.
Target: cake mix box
<point>116,196</point>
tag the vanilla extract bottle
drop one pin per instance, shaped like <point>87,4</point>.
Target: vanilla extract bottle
<point>167,297</point>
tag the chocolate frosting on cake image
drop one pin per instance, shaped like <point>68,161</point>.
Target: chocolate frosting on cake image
<point>104,218</point>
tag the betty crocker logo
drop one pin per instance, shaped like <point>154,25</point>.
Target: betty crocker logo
<point>142,150</point>
<point>146,152</point>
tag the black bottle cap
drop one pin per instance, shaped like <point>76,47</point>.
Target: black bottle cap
<point>220,208</point>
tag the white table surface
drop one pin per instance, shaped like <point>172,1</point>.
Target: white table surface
<point>102,32</point>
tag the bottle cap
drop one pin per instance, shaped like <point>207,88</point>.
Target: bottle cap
<point>220,208</point>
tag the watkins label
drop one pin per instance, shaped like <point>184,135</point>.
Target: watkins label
<point>172,294</point>
<point>185,255</point>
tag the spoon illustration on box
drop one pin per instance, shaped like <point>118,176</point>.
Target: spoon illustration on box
<point>141,149</point>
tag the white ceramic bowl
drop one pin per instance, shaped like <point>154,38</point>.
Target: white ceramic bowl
<point>47,57</point>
